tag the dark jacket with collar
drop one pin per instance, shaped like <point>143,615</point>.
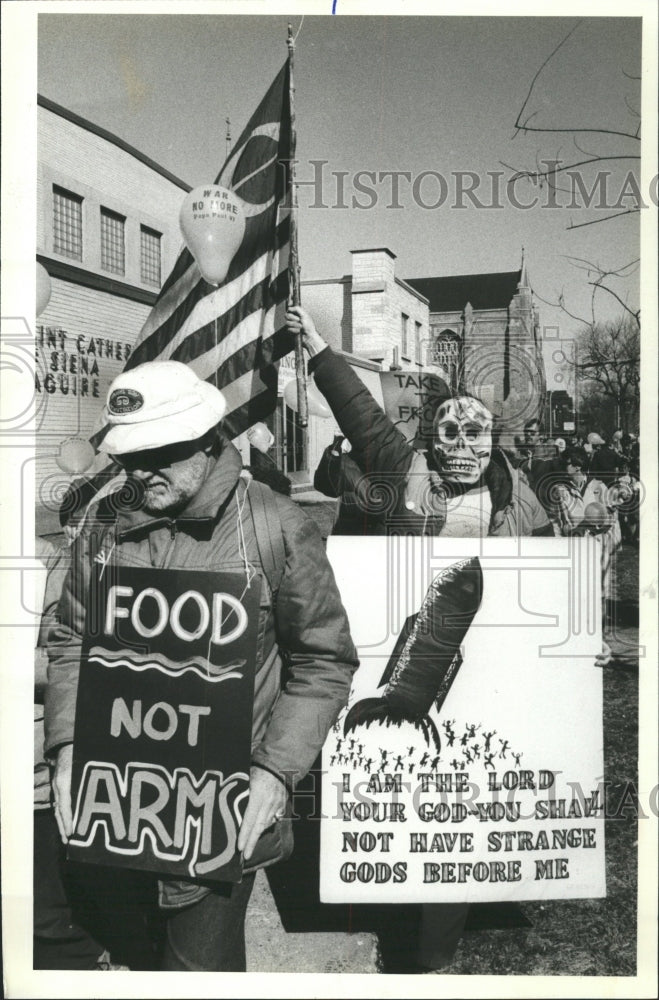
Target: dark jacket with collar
<point>404,490</point>
<point>307,627</point>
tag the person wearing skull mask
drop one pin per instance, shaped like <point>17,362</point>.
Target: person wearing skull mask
<point>463,485</point>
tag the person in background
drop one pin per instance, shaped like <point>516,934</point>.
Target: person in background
<point>338,475</point>
<point>604,462</point>
<point>583,504</point>
<point>629,490</point>
<point>616,442</point>
<point>261,465</point>
<point>537,452</point>
<point>549,473</point>
<point>634,453</point>
<point>59,940</point>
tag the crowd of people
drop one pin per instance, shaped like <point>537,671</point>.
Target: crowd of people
<point>569,476</point>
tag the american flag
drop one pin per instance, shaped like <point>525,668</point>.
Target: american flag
<point>234,334</point>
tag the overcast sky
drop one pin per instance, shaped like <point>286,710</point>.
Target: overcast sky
<point>375,94</point>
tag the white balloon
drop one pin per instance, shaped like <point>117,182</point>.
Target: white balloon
<point>75,455</point>
<point>316,402</point>
<point>212,221</point>
<point>260,437</point>
<point>44,288</point>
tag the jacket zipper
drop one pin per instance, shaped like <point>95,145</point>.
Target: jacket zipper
<point>164,563</point>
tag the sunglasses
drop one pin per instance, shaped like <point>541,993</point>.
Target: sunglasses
<point>158,458</point>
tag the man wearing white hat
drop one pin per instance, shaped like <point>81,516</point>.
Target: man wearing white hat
<point>197,511</point>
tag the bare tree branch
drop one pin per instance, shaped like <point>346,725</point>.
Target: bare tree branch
<point>527,122</point>
<point>605,288</point>
<point>633,111</point>
<point>537,174</point>
<point>560,304</point>
<point>537,75</point>
<point>523,126</point>
<point>592,222</point>
<point>591,266</point>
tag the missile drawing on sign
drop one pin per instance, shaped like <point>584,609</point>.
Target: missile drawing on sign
<point>426,657</point>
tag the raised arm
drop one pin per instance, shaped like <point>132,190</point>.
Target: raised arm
<point>377,446</point>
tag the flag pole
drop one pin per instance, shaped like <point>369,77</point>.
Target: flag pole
<point>294,266</point>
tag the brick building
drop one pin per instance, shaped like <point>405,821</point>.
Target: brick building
<point>107,234</point>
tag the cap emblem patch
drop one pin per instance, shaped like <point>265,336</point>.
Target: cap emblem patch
<point>125,401</point>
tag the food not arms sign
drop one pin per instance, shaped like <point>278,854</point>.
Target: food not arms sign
<point>163,725</point>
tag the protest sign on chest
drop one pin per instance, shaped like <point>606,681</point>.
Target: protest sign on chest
<point>162,742</point>
<point>467,765</point>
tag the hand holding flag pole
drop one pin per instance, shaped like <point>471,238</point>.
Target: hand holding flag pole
<point>294,267</point>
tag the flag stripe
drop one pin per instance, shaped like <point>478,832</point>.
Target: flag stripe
<point>254,290</point>
<point>204,339</point>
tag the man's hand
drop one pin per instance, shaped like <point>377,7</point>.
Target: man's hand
<point>267,802</point>
<point>62,791</point>
<point>298,320</point>
<point>604,658</point>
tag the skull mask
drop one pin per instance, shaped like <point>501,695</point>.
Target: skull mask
<point>462,439</point>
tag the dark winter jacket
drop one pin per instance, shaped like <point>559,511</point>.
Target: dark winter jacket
<point>403,488</point>
<point>305,656</point>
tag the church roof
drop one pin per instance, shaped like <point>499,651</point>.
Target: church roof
<point>483,291</point>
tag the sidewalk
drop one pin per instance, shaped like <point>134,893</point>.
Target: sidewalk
<point>270,948</point>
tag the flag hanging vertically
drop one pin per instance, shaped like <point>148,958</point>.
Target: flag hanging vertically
<point>234,334</point>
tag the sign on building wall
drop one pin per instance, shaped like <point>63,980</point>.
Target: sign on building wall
<point>466,768</point>
<point>163,727</point>
<point>76,365</point>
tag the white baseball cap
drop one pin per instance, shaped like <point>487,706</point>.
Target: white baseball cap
<point>156,404</point>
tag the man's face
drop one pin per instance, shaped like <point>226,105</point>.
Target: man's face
<point>462,439</point>
<point>170,477</point>
<point>532,433</point>
<point>575,472</point>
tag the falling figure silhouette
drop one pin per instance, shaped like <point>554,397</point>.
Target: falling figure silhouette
<point>426,657</point>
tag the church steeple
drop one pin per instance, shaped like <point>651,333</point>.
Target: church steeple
<point>523,274</point>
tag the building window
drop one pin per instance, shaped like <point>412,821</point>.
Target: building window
<point>417,341</point>
<point>447,354</point>
<point>113,247</point>
<point>67,223</point>
<point>150,256</point>
<point>404,334</point>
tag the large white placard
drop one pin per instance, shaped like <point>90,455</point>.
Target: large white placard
<point>498,794</point>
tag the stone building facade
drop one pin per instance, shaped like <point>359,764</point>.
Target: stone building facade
<point>485,333</point>
<point>372,313</point>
